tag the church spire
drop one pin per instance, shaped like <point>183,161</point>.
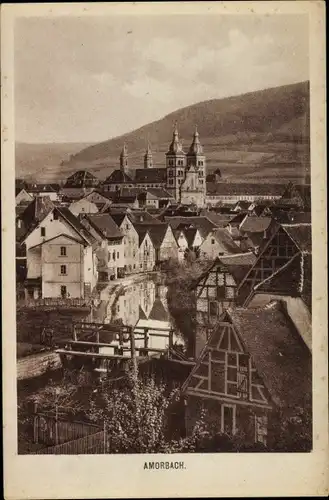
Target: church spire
<point>124,158</point>
<point>175,146</point>
<point>148,160</point>
<point>195,147</point>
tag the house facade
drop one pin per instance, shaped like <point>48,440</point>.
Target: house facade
<point>216,290</point>
<point>146,251</point>
<point>130,242</point>
<point>59,258</point>
<point>110,248</point>
<point>218,242</point>
<point>241,382</point>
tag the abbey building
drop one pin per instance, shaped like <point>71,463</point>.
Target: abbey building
<point>184,176</point>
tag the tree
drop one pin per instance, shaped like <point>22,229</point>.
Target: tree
<point>136,417</point>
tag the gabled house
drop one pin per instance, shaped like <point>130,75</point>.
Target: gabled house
<point>22,196</point>
<point>27,217</point>
<point>146,250</point>
<point>285,244</point>
<point>256,230</point>
<point>216,290</point>
<point>130,241</point>
<point>218,242</point>
<point>193,236</point>
<point>253,371</point>
<point>204,224</point>
<point>110,251</point>
<point>102,201</point>
<point>182,243</point>
<point>158,198</point>
<point>83,206</point>
<point>60,257</point>
<point>49,190</point>
<point>163,240</point>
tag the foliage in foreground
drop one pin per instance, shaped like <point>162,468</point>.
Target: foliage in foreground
<point>136,417</point>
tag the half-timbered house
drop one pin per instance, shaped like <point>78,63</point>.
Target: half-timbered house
<point>216,290</point>
<point>254,367</point>
<point>287,242</point>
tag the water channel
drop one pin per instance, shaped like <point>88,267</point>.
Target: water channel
<point>140,305</point>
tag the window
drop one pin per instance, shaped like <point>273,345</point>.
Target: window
<point>118,255</point>
<point>63,251</point>
<point>171,181</point>
<point>213,308</point>
<point>63,292</point>
<point>63,269</point>
<point>212,241</point>
<point>55,215</point>
<point>228,417</point>
<point>43,231</point>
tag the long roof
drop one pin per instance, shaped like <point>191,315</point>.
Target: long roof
<point>239,189</point>
<point>279,353</point>
<point>224,238</point>
<point>254,224</point>
<point>151,175</point>
<point>221,220</point>
<point>105,225</point>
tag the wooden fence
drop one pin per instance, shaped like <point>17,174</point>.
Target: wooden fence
<point>51,431</point>
<point>93,444</point>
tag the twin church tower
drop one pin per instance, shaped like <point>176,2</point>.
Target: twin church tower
<point>185,172</point>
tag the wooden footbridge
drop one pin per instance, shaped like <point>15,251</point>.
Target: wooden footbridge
<point>106,346</point>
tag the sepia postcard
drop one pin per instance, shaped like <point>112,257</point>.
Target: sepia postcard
<point>164,250</point>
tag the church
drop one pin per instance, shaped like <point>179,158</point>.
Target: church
<point>184,176</point>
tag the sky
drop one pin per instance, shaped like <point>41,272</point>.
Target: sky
<point>88,79</point>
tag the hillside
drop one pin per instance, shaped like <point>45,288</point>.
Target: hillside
<point>43,161</point>
<point>245,136</point>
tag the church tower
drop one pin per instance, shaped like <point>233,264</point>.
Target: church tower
<point>175,165</point>
<point>193,189</point>
<point>124,159</point>
<point>148,160</point>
